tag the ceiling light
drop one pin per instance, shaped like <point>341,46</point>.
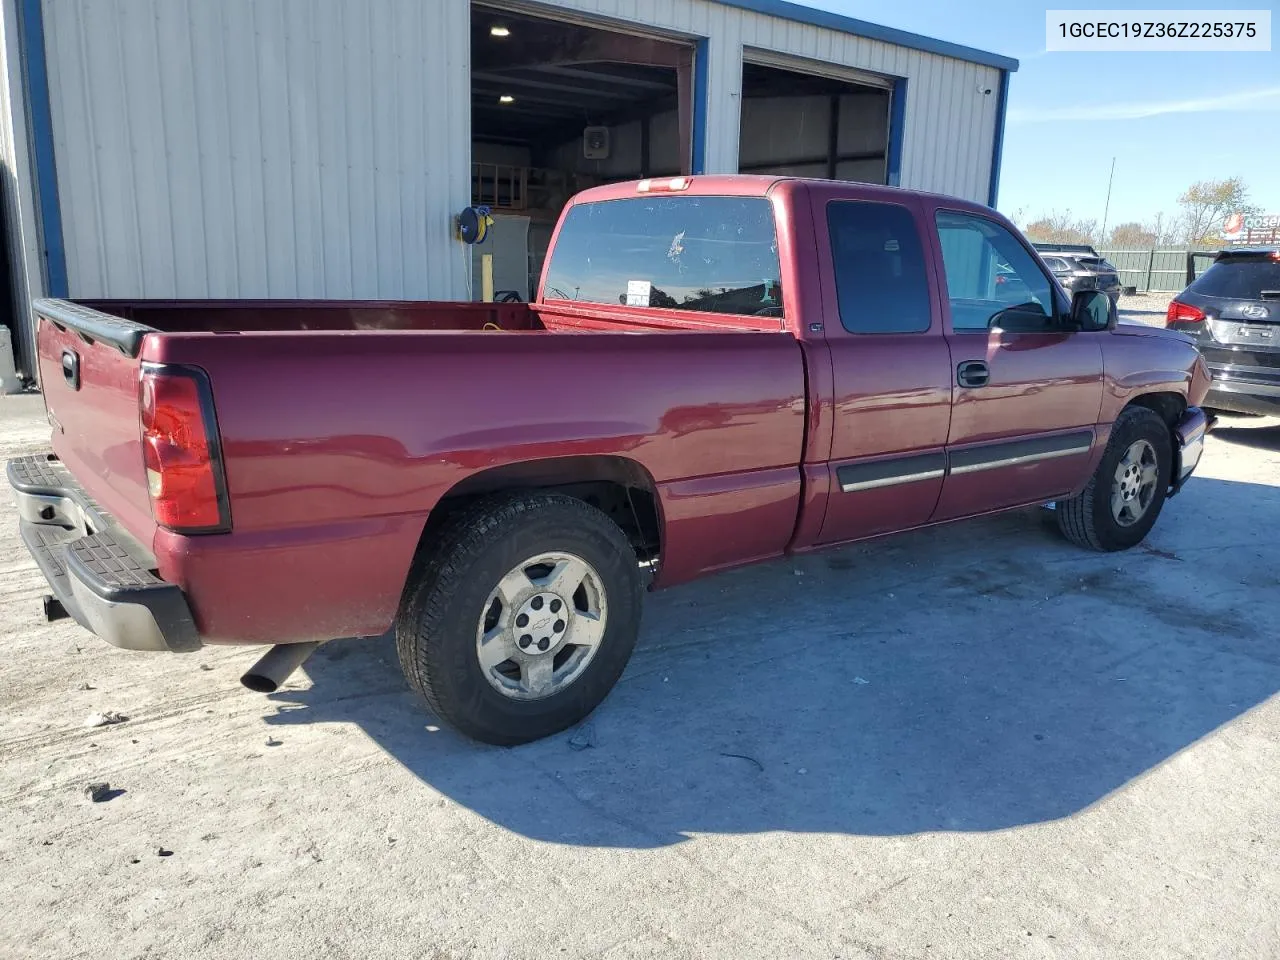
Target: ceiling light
<point>506,98</point>
<point>498,31</point>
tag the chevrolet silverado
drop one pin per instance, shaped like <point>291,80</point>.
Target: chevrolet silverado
<point>717,371</point>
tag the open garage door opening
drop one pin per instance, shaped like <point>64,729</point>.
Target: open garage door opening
<point>809,125</point>
<point>557,107</point>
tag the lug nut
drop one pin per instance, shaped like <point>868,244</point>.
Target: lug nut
<point>555,606</point>
<point>522,620</point>
<point>525,641</point>
<point>537,603</point>
<point>559,628</point>
<point>544,643</point>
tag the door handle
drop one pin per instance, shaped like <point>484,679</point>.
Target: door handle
<point>973,373</point>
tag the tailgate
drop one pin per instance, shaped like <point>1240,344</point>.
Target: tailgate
<point>89,368</point>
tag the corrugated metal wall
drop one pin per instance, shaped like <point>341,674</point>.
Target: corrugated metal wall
<point>261,148</point>
<point>319,148</point>
<point>950,125</point>
<point>26,269</point>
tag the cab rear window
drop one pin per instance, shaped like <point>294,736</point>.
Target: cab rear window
<point>1239,280</point>
<point>707,254</point>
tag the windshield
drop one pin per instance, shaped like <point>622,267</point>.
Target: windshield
<point>711,254</point>
<point>1240,280</point>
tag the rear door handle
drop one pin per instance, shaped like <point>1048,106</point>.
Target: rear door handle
<point>973,373</point>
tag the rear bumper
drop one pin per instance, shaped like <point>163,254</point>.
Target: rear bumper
<point>1242,396</point>
<point>101,576</point>
<point>1189,436</point>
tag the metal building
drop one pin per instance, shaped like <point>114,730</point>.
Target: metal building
<point>322,148</point>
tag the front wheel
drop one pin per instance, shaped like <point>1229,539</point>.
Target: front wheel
<point>520,617</point>
<point>1127,491</point>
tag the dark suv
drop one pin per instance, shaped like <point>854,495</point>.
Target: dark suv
<point>1233,311</point>
<point>1079,267</point>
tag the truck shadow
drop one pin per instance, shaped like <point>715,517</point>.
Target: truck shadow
<point>973,678</point>
<point>1264,436</point>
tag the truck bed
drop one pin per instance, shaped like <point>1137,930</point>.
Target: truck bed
<point>342,424</point>
<point>284,316</point>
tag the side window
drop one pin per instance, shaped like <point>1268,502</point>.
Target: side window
<point>1056,264</point>
<point>879,267</point>
<point>991,279</point>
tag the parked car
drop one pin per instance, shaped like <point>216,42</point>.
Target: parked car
<point>794,365</point>
<point>1079,271</point>
<point>1081,249</point>
<point>1233,312</point>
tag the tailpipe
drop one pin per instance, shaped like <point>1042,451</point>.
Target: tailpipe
<point>275,666</point>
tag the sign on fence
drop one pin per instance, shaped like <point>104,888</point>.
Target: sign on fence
<point>1261,230</point>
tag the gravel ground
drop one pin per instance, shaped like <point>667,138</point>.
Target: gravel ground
<point>970,742</point>
<point>1145,308</point>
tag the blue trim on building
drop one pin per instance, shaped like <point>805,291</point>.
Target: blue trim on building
<point>872,31</point>
<point>37,76</point>
<point>997,147</point>
<point>897,132</point>
<point>700,105</point>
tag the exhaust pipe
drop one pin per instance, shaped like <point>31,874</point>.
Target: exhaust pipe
<point>275,666</point>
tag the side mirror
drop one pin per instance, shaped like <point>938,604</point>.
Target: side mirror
<point>1022,318</point>
<point>1092,311</point>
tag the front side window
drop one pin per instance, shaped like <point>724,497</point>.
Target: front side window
<point>879,267</point>
<point>709,254</point>
<point>992,281</point>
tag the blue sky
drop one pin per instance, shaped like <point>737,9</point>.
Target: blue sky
<point>1169,119</point>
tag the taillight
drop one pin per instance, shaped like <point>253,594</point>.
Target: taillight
<point>181,452</point>
<point>1182,313</point>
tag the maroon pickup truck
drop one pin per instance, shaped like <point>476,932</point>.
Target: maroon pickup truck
<point>717,371</point>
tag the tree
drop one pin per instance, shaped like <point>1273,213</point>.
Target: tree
<point>1205,206</point>
<point>1060,228</point>
<point>1165,228</point>
<point>1133,236</point>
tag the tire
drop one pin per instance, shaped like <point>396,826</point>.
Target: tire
<point>477,578</point>
<point>1089,520</point>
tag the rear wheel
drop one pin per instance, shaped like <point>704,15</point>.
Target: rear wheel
<point>1127,491</point>
<point>521,617</point>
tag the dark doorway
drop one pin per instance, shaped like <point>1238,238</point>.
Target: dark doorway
<point>557,107</point>
<point>807,125</point>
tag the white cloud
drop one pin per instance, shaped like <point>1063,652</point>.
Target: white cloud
<point>1265,99</point>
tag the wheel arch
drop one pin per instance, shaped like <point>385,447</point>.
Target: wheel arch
<point>620,487</point>
<point>1168,405</point>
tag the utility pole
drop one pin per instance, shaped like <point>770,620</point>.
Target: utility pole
<point>1107,209</point>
